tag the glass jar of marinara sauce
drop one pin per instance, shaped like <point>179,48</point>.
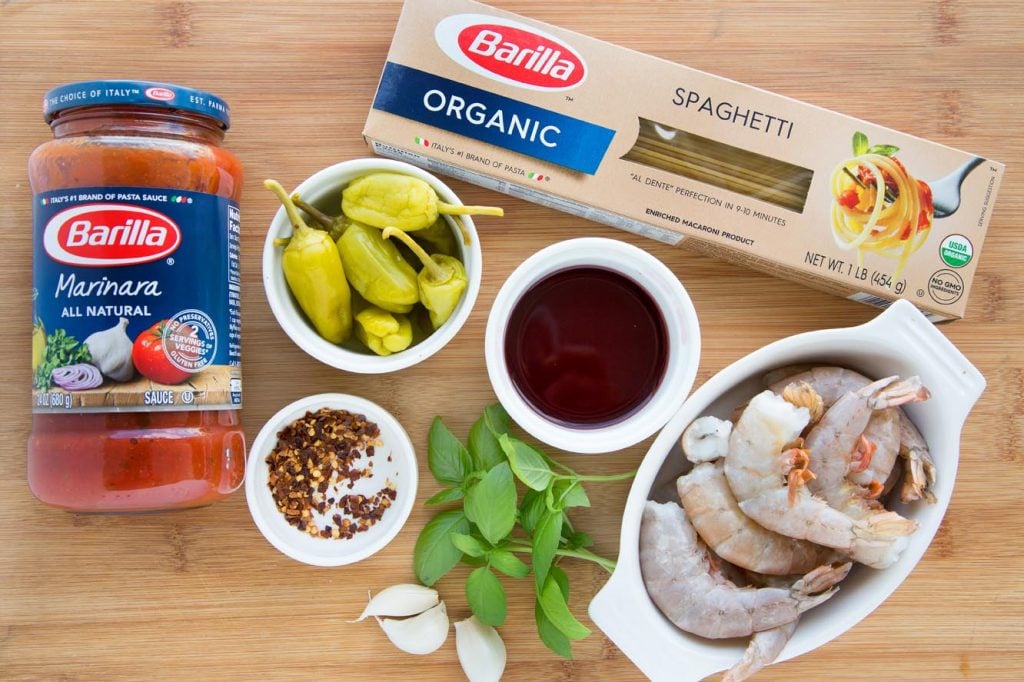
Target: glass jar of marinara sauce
<point>136,331</point>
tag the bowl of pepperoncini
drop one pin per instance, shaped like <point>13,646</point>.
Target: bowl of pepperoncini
<point>372,265</point>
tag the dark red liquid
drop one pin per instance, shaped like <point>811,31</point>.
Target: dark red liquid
<point>586,346</point>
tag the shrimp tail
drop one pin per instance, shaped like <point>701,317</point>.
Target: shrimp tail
<point>874,490</point>
<point>818,586</point>
<point>880,539</point>
<point>862,454</point>
<point>889,525</point>
<point>909,390</point>
<point>764,648</point>
<point>823,578</point>
<point>919,475</point>
<point>800,472</point>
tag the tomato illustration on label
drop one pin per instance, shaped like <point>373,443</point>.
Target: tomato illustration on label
<point>151,358</point>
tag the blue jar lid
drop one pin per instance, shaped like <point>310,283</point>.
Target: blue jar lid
<point>136,93</point>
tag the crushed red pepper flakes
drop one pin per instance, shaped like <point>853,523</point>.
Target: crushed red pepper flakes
<point>315,457</point>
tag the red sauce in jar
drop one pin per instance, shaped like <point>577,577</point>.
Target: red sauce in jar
<point>136,444</point>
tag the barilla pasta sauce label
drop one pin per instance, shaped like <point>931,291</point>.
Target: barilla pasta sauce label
<point>136,301</point>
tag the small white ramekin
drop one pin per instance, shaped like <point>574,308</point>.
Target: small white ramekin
<point>680,322</point>
<point>323,190</point>
<point>394,461</point>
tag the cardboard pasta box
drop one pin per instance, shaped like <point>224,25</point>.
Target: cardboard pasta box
<point>685,157</point>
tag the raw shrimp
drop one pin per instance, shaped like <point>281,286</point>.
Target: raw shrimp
<point>841,430</point>
<point>706,439</point>
<point>682,581</point>
<point>732,535</point>
<point>883,432</point>
<point>765,646</point>
<point>758,470</point>
<point>918,467</point>
<point>831,383</point>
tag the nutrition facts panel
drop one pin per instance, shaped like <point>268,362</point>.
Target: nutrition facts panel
<point>234,299</point>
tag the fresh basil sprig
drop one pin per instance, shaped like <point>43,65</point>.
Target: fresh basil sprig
<point>861,146</point>
<point>61,350</point>
<point>492,523</point>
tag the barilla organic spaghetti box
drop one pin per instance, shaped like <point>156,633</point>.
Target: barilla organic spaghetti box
<point>683,156</point>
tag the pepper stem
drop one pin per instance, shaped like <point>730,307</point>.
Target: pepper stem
<point>436,272</point>
<point>453,209</point>
<point>289,208</point>
<point>313,212</point>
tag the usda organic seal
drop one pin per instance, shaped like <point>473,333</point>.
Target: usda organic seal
<point>956,251</point>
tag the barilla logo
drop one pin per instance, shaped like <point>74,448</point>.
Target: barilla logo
<point>98,235</point>
<point>160,94</point>
<point>510,52</point>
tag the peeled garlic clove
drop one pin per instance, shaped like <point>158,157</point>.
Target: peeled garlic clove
<point>406,599</point>
<point>481,651</point>
<point>706,439</point>
<point>422,634</point>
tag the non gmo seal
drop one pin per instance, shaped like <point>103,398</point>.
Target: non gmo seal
<point>190,340</point>
<point>945,287</point>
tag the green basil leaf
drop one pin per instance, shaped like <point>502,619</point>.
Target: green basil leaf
<point>491,503</point>
<point>530,510</point>
<point>562,579</point>
<point>446,495</point>
<point>545,543</point>
<point>486,597</point>
<point>483,446</point>
<point>860,143</point>
<point>496,419</point>
<point>883,149</point>
<point>435,554</point>
<point>555,607</point>
<point>527,463</point>
<point>468,545</point>
<point>508,563</point>
<point>579,539</point>
<point>474,560</point>
<point>447,458</point>
<point>568,493</point>
<point>552,637</point>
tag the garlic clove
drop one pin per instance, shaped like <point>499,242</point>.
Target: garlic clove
<point>706,439</point>
<point>406,599</point>
<point>422,634</point>
<point>111,351</point>
<point>481,650</point>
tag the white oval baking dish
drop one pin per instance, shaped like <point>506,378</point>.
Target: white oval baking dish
<point>899,341</point>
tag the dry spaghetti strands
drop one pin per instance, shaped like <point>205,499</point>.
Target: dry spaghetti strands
<point>721,165</point>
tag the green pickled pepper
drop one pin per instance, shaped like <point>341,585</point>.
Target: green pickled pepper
<point>334,226</point>
<point>377,270</point>
<point>441,281</point>
<point>312,267</point>
<point>438,238</point>
<point>383,332</point>
<point>386,199</point>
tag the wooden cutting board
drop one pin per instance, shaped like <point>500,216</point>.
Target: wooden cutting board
<point>201,595</point>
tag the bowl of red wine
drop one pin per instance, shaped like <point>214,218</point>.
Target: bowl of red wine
<point>592,345</point>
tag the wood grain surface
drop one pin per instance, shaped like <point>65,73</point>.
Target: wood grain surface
<point>201,595</point>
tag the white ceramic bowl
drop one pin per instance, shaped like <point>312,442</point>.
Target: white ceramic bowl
<point>899,341</point>
<point>680,321</point>
<point>395,460</point>
<point>323,190</point>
